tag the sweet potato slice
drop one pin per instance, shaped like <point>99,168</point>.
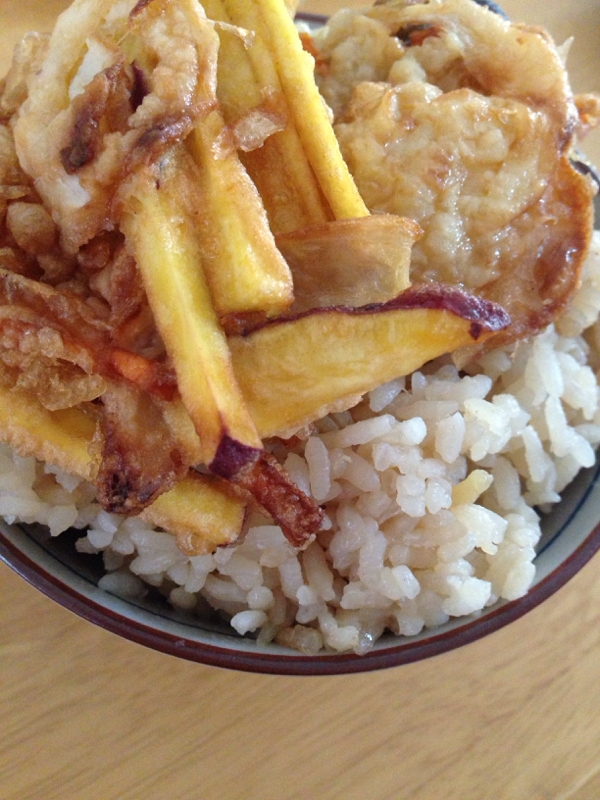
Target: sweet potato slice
<point>200,509</point>
<point>295,68</point>
<point>170,263</point>
<point>349,262</point>
<point>294,370</point>
<point>61,437</point>
<point>299,171</point>
<point>244,269</point>
<point>246,78</point>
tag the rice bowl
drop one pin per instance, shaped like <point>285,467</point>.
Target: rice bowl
<point>465,457</point>
<point>167,620</point>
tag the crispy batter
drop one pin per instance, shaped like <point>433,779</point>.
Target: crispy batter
<point>67,329</point>
<point>27,59</point>
<point>57,372</point>
<point>588,109</point>
<point>11,173</point>
<point>15,260</point>
<point>16,190</point>
<point>80,138</point>
<point>45,361</point>
<point>251,130</point>
<point>108,274</point>
<point>106,97</point>
<point>118,87</point>
<point>139,456</point>
<point>298,515</point>
<point>118,282</point>
<point>32,227</point>
<point>467,129</point>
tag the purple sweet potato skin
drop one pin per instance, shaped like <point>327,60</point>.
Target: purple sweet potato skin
<point>483,314</point>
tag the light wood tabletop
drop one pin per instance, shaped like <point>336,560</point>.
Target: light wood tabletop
<point>516,716</point>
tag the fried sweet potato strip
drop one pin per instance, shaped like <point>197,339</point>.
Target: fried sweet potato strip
<point>170,262</point>
<point>279,168</point>
<point>172,267</point>
<point>244,269</point>
<point>295,370</point>
<point>298,170</point>
<point>295,69</point>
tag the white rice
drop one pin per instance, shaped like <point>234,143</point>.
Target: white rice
<point>430,487</point>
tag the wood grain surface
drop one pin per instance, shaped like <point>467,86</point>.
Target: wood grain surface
<point>87,716</point>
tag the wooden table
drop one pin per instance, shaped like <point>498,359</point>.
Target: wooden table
<point>87,716</point>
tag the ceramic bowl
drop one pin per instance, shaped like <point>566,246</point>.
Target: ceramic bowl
<point>571,536</point>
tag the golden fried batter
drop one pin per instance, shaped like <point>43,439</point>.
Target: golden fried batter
<point>465,124</point>
<point>120,83</point>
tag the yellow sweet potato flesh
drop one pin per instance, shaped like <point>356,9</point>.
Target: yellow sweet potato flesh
<point>170,263</point>
<point>199,509</point>
<point>295,68</point>
<point>201,512</point>
<point>294,371</point>
<point>244,269</point>
<point>59,437</point>
<point>298,171</point>
<point>279,169</point>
